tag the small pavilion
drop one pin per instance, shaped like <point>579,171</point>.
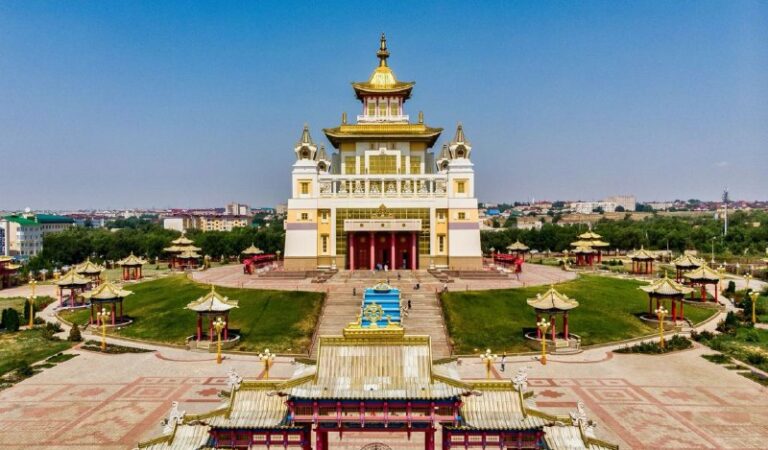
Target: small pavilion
<point>517,248</point>
<point>585,255</point>
<point>642,261</point>
<point>553,303</point>
<point>74,283</point>
<point>684,264</point>
<point>212,306</point>
<point>183,253</point>
<point>252,251</point>
<point>107,294</point>
<point>663,289</point>
<point>703,276</point>
<point>8,271</point>
<point>132,267</point>
<point>91,271</point>
<point>592,240</point>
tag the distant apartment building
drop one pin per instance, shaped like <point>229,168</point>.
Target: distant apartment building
<point>281,209</point>
<point>209,222</point>
<point>237,209</point>
<point>590,207</point>
<point>23,233</point>
<point>660,206</point>
<point>628,202</point>
<point>179,223</point>
<point>529,223</point>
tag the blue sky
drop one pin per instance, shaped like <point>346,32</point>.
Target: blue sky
<point>141,104</point>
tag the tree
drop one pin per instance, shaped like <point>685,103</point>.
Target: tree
<point>11,320</point>
<point>74,334</point>
<point>619,209</point>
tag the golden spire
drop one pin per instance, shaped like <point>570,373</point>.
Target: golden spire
<point>383,53</point>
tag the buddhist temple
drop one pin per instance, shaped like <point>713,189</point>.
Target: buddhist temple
<point>132,267</point>
<point>107,294</point>
<point>382,200</point>
<point>8,271</point>
<point>642,261</point>
<point>377,379</point>
<point>703,276</point>
<point>90,270</point>
<point>554,304</point>
<point>666,289</point>
<point>211,306</point>
<point>183,253</point>
<point>685,263</point>
<point>74,283</point>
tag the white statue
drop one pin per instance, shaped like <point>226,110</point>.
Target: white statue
<point>174,417</point>
<point>233,379</point>
<point>521,379</point>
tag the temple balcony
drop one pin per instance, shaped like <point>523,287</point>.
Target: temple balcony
<point>383,186</point>
<point>383,119</point>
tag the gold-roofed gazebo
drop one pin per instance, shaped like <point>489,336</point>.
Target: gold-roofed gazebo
<point>183,253</point>
<point>665,288</point>
<point>110,294</point>
<point>585,255</point>
<point>685,263</point>
<point>553,303</point>
<point>703,276</point>
<point>74,283</point>
<point>8,271</point>
<point>212,306</point>
<point>132,267</point>
<point>642,261</point>
<point>90,270</point>
<point>518,248</point>
<point>593,241</point>
<point>252,251</point>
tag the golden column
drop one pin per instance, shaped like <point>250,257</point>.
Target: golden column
<point>488,358</point>
<point>32,298</point>
<point>103,317</point>
<point>661,312</point>
<point>219,325</point>
<point>543,326</point>
<point>267,357</point>
<point>754,295</point>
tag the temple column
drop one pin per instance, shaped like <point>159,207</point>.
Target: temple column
<point>674,311</point>
<point>210,329</point>
<point>414,248</point>
<point>113,314</point>
<point>372,250</point>
<point>199,327</point>
<point>717,300</point>
<point>351,249</point>
<point>554,327</point>
<point>565,325</point>
<point>429,438</point>
<point>392,257</point>
<point>538,330</point>
<point>90,319</point>
<point>226,326</point>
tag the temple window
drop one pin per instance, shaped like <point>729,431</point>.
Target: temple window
<point>304,216</point>
<point>394,108</point>
<point>415,165</point>
<point>382,164</point>
<point>304,187</point>
<point>461,187</point>
<point>441,243</point>
<point>462,216</point>
<point>350,165</point>
<point>324,240</point>
<point>382,107</point>
<point>371,107</point>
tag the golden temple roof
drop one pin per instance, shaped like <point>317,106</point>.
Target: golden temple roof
<point>383,79</point>
<point>5,258</point>
<point>72,278</point>
<point>212,302</point>
<point>585,249</point>
<point>498,409</point>
<point>553,300</point>
<point>88,268</point>
<point>703,273</point>
<point>665,286</point>
<point>642,254</point>
<point>688,261</point>
<point>589,235</point>
<point>107,291</point>
<point>517,245</point>
<point>182,240</point>
<point>253,405</point>
<point>413,132</point>
<point>252,250</point>
<point>131,260</point>
<point>183,437</point>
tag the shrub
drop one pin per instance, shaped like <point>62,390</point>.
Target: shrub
<point>74,334</point>
<point>756,358</point>
<point>752,336</point>
<point>11,319</point>
<point>23,369</point>
<point>26,311</point>
<point>702,336</point>
<point>731,287</point>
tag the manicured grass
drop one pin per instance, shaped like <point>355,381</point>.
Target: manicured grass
<point>278,320</point>
<point>607,311</point>
<point>18,303</point>
<point>747,344</point>
<point>26,346</point>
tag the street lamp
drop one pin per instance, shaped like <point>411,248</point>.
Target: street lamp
<point>543,326</point>
<point>747,278</point>
<point>754,295</point>
<point>714,238</point>
<point>267,357</point>
<point>219,325</point>
<point>32,298</point>
<point>103,317</point>
<point>488,358</point>
<point>661,312</point>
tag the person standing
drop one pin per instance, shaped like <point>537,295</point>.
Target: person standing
<point>503,360</point>
<point>409,304</point>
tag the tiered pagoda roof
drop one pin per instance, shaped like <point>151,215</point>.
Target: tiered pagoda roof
<point>585,249</point>
<point>107,291</point>
<point>181,245</point>
<point>642,255</point>
<point>212,302</point>
<point>517,246</point>
<point>688,261</point>
<point>88,268</point>
<point>383,79</point>
<point>666,287</point>
<point>188,254</point>
<point>131,260</point>
<point>72,278</point>
<point>252,250</point>
<point>553,300</point>
<point>703,273</point>
<point>5,263</point>
<point>589,239</point>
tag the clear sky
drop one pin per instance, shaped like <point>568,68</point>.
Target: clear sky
<point>142,104</point>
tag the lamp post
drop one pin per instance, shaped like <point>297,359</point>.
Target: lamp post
<point>103,317</point>
<point>713,249</point>
<point>267,357</point>
<point>747,279</point>
<point>543,326</point>
<point>754,295</point>
<point>661,312</point>
<point>32,298</point>
<point>488,358</point>
<point>219,325</point>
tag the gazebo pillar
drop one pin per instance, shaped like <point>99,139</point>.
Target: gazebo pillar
<point>226,326</point>
<point>538,330</point>
<point>565,324</point>
<point>199,327</point>
<point>554,326</point>
<point>210,329</point>
<point>717,299</point>
<point>674,310</point>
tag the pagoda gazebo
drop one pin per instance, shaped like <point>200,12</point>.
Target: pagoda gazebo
<point>642,261</point>
<point>183,253</point>
<point>517,248</point>
<point>663,289</point>
<point>212,306</point>
<point>90,270</point>
<point>592,240</point>
<point>132,267</point>
<point>8,271</point>
<point>252,251</point>
<point>585,255</point>
<point>553,303</point>
<point>684,264</point>
<point>107,294</point>
<point>74,283</point>
<point>702,277</point>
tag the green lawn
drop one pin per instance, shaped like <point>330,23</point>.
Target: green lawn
<point>18,303</point>
<point>28,346</point>
<point>495,319</point>
<point>278,320</point>
<point>746,344</point>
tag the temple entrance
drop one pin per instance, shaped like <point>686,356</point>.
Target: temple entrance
<point>368,250</point>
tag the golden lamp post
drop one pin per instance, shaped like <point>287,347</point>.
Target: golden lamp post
<point>32,298</point>
<point>219,325</point>
<point>661,312</point>
<point>103,317</point>
<point>543,326</point>
<point>488,358</point>
<point>267,357</point>
<point>754,295</point>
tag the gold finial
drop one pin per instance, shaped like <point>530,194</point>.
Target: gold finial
<point>383,53</point>
<point>344,118</point>
<point>421,116</point>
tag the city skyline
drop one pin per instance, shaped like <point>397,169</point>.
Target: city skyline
<point>143,105</point>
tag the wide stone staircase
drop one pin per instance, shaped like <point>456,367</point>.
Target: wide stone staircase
<point>345,296</point>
